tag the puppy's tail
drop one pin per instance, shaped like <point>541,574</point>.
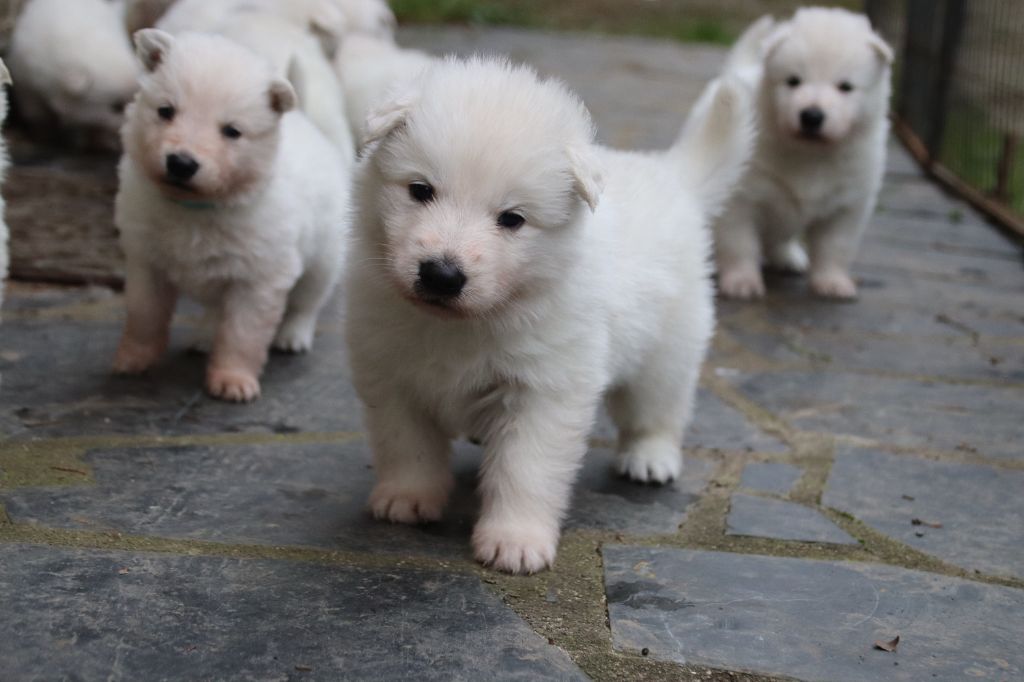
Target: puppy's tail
<point>746,58</point>
<point>717,141</point>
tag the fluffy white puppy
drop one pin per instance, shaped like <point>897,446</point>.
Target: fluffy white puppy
<point>5,80</point>
<point>283,33</point>
<point>74,67</point>
<point>231,198</point>
<point>372,18</point>
<point>823,90</point>
<point>490,294</point>
<point>369,67</point>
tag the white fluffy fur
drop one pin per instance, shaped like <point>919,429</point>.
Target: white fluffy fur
<point>601,293</point>
<point>369,67</point>
<point>74,67</point>
<point>820,190</point>
<point>283,33</point>
<point>5,80</point>
<point>257,236</point>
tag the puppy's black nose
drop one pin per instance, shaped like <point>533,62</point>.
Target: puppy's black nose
<point>811,120</point>
<point>441,278</point>
<point>181,166</point>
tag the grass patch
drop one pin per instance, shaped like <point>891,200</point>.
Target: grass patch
<point>971,148</point>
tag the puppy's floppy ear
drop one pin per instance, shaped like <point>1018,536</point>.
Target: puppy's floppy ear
<point>774,39</point>
<point>588,176</point>
<point>152,46</point>
<point>282,96</point>
<point>881,48</point>
<point>388,117</point>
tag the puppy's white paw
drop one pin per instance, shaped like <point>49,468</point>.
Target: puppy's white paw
<point>518,548</point>
<point>789,256</point>
<point>834,284</point>
<point>134,358</point>
<point>741,283</point>
<point>411,504</point>
<point>295,336</point>
<point>651,461</point>
<point>234,386</point>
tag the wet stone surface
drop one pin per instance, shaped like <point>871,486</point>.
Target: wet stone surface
<point>770,477</point>
<point>313,495</point>
<point>968,515</point>
<point>79,614</point>
<point>900,412</point>
<point>813,620</point>
<point>765,518</point>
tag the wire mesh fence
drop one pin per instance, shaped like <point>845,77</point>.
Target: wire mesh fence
<point>959,95</point>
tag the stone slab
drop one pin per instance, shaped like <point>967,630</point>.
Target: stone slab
<point>88,615</point>
<point>764,518</point>
<point>314,495</point>
<point>770,477</point>
<point>903,412</point>
<point>980,508</point>
<point>811,620</point>
<point>57,382</point>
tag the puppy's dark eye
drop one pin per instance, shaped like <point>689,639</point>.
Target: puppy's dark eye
<point>231,132</point>
<point>845,86</point>
<point>421,192</point>
<point>511,220</point>
<point>794,81</point>
<point>118,107</point>
<point>166,112</point>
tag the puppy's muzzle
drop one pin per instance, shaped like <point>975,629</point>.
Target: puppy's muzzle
<point>441,279</point>
<point>181,167</point>
<point>812,120</point>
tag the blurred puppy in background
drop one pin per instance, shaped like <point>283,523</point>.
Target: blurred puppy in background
<point>230,197</point>
<point>506,273</point>
<point>74,69</point>
<point>284,33</point>
<point>823,83</point>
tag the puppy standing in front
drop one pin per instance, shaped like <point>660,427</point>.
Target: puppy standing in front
<point>823,83</point>
<point>506,273</point>
<point>230,197</point>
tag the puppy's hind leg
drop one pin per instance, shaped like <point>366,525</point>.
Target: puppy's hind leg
<point>653,410</point>
<point>307,298</point>
<point>738,255</point>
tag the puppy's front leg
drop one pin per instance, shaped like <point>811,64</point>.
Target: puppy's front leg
<point>149,299</point>
<point>249,318</point>
<point>411,455</point>
<point>529,468</point>
<point>833,245</point>
<point>738,254</point>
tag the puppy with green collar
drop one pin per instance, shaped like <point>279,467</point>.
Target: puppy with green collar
<point>230,197</point>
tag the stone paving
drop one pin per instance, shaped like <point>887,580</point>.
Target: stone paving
<point>855,473</point>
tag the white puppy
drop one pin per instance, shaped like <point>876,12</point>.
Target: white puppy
<point>823,90</point>
<point>5,80</point>
<point>74,68</point>
<point>492,295</point>
<point>228,197</point>
<point>369,67</point>
<point>282,33</point>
